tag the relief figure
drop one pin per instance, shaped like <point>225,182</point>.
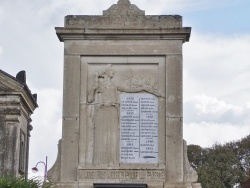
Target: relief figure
<point>104,96</point>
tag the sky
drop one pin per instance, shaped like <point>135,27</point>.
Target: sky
<point>216,66</point>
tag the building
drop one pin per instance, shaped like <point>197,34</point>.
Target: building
<point>17,103</point>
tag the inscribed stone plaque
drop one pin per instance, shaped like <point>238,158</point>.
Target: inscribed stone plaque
<point>138,128</point>
<point>122,174</point>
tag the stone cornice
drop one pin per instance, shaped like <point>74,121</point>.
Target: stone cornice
<point>10,106</point>
<point>11,86</point>
<point>11,113</point>
<point>123,21</point>
<point>123,34</point>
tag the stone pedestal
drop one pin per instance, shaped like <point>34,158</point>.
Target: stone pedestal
<point>122,104</point>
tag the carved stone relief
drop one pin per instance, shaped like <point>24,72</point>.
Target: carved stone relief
<point>104,96</point>
<point>142,174</point>
<point>123,7</point>
<point>106,85</point>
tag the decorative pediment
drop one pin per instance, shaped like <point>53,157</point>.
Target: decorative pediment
<point>10,85</point>
<point>121,16</point>
<point>5,88</point>
<point>123,8</point>
<point>7,84</point>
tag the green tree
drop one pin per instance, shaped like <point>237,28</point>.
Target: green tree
<point>221,166</point>
<point>196,155</point>
<point>244,154</point>
<point>221,169</point>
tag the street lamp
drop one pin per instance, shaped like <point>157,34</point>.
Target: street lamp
<point>35,169</point>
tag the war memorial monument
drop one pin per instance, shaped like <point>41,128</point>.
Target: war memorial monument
<point>122,101</point>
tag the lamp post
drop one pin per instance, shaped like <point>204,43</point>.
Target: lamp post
<point>35,169</point>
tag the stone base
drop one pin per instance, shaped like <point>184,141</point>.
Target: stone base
<point>119,185</point>
<point>129,185</point>
<point>182,185</point>
<point>196,185</point>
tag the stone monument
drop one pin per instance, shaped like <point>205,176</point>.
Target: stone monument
<point>122,101</point>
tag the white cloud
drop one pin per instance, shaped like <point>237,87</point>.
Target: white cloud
<point>1,13</point>
<point>181,6</point>
<point>207,134</point>
<point>210,109</point>
<point>1,51</point>
<point>30,43</point>
<point>216,66</point>
<point>52,9</point>
<point>208,120</point>
<point>176,7</point>
<point>47,126</point>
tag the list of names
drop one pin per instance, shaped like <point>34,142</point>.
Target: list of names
<point>138,128</point>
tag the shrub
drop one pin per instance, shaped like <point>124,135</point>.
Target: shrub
<point>12,182</point>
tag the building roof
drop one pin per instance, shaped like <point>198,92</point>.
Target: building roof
<point>10,85</point>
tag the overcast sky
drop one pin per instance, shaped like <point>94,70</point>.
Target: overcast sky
<point>216,64</point>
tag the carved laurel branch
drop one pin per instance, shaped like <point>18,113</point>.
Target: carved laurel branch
<point>136,81</point>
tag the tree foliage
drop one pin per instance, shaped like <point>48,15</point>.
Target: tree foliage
<point>221,166</point>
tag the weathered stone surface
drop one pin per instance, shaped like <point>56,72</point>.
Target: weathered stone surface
<point>190,175</point>
<point>119,185</point>
<point>112,22</point>
<point>123,47</point>
<point>2,141</point>
<point>174,86</point>
<point>174,150</point>
<point>53,175</point>
<point>91,63</point>
<point>69,150</point>
<point>123,8</point>
<point>16,106</point>
<point>71,87</point>
<point>65,34</point>
<point>124,15</point>
<point>123,21</point>
<point>118,53</point>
